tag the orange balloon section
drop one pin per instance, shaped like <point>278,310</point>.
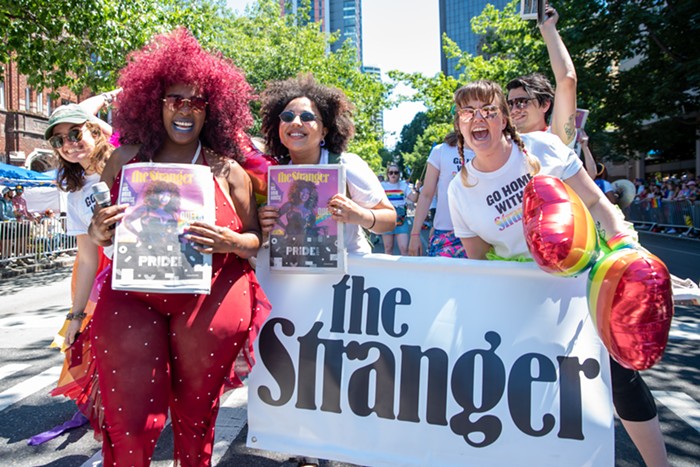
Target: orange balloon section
<point>559,231</point>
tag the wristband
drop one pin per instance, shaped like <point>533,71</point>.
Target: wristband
<point>374,220</point>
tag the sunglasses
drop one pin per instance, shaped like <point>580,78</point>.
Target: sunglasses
<point>467,114</point>
<point>288,116</point>
<point>519,102</point>
<point>174,103</point>
<point>74,135</point>
<point>393,172</point>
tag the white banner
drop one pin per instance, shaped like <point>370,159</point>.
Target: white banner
<point>431,361</point>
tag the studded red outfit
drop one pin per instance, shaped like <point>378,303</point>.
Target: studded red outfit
<point>156,352</point>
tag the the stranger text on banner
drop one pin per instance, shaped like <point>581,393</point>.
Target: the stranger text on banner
<point>431,361</point>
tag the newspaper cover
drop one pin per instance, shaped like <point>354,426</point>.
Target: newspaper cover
<point>306,239</point>
<point>150,251</point>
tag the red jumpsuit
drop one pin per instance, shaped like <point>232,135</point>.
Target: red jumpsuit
<point>156,352</point>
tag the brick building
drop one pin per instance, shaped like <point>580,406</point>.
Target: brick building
<point>24,114</point>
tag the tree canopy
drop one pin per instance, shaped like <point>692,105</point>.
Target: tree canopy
<point>637,75</point>
<point>84,44</point>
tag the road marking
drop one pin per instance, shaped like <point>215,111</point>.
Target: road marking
<point>681,330</point>
<point>684,406</point>
<point>11,369</point>
<point>28,387</point>
<point>233,415</point>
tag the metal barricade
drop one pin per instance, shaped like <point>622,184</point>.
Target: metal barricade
<point>666,216</point>
<point>34,241</point>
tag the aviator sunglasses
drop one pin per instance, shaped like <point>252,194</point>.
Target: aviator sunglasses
<point>288,116</point>
<point>519,102</point>
<point>467,114</point>
<point>197,104</point>
<point>74,135</point>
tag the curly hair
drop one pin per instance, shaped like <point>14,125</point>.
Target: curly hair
<point>150,196</point>
<point>70,176</point>
<point>487,91</point>
<point>334,106</point>
<point>177,58</point>
<point>537,86</point>
<point>297,187</point>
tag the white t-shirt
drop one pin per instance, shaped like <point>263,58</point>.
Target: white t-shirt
<point>81,203</point>
<point>492,208</point>
<point>397,192</point>
<point>365,190</point>
<point>445,159</point>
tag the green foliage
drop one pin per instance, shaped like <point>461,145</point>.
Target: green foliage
<point>418,157</point>
<point>82,44</point>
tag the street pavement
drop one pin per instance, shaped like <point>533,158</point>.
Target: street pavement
<point>32,307</point>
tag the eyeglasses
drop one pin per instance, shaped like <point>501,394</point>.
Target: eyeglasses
<point>175,103</point>
<point>392,172</point>
<point>74,135</point>
<point>288,116</point>
<point>519,102</point>
<point>467,114</point>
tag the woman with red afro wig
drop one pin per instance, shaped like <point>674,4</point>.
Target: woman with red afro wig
<point>156,351</point>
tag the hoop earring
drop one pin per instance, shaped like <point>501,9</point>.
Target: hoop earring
<point>323,142</point>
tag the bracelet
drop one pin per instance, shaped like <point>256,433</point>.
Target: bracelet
<point>415,235</point>
<point>76,316</point>
<point>108,98</point>
<point>374,220</point>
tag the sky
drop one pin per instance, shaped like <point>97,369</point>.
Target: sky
<point>396,35</point>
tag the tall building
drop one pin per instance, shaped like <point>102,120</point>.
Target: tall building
<point>455,21</point>
<point>335,15</point>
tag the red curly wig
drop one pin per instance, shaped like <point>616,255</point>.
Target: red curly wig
<point>177,58</point>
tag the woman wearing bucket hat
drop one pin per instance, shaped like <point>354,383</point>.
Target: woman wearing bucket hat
<point>80,140</point>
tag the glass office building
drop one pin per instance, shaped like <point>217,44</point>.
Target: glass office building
<point>455,21</point>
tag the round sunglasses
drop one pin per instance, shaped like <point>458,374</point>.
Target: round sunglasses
<point>74,135</point>
<point>519,102</point>
<point>467,114</point>
<point>288,116</point>
<point>175,103</point>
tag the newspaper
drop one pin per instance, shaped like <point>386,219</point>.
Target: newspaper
<point>306,239</point>
<point>151,253</point>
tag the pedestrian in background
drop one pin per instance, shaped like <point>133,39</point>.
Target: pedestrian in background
<point>443,164</point>
<point>399,192</point>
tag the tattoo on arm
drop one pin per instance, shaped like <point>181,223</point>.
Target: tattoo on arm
<point>570,127</point>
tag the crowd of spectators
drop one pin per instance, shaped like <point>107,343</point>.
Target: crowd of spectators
<point>668,188</point>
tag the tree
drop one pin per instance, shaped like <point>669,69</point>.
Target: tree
<point>84,45</point>
<point>81,44</point>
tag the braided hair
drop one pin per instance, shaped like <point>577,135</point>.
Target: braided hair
<point>488,91</point>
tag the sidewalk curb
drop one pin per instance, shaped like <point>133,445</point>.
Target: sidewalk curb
<point>7,272</point>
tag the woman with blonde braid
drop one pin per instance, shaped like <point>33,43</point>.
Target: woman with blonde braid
<point>486,209</point>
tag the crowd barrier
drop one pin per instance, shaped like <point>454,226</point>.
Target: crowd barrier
<point>37,241</point>
<point>680,217</point>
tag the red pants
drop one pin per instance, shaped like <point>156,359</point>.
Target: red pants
<point>156,352</point>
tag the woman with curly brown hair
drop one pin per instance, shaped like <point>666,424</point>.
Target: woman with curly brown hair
<point>304,122</point>
<point>156,351</point>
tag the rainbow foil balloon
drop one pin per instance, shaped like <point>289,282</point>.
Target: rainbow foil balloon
<point>630,300</point>
<point>255,163</point>
<point>559,230</point>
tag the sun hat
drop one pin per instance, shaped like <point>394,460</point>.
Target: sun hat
<point>69,113</point>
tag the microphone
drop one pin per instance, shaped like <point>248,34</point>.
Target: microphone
<point>101,193</point>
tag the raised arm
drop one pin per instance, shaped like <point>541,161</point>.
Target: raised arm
<point>564,113</point>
